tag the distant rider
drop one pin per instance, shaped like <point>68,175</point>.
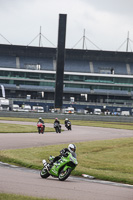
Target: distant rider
<point>66,121</point>
<point>57,121</point>
<point>40,120</point>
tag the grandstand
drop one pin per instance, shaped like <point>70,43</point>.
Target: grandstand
<point>102,76</point>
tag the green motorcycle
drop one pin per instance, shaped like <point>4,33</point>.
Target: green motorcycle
<point>61,169</point>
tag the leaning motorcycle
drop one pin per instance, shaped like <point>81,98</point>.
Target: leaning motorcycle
<point>68,125</point>
<point>61,169</point>
<point>57,127</point>
<point>40,127</point>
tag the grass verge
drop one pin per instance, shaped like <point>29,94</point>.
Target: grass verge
<point>110,160</point>
<point>18,128</point>
<point>4,196</point>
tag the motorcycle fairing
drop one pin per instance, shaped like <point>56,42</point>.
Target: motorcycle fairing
<point>63,163</point>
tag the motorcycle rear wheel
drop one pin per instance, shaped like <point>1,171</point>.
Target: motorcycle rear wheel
<point>64,174</point>
<point>44,173</point>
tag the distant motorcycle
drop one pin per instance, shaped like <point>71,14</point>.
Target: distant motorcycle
<point>68,125</point>
<point>61,169</point>
<point>40,127</point>
<point>57,127</point>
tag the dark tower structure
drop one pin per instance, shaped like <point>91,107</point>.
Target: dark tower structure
<point>60,61</point>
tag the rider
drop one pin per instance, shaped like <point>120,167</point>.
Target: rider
<point>66,121</point>
<point>64,152</point>
<point>40,120</point>
<point>57,121</point>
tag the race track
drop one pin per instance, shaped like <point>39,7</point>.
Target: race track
<point>28,182</point>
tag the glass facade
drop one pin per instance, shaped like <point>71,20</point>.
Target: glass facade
<point>78,81</point>
<point>93,82</point>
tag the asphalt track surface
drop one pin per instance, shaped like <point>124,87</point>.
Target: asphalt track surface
<point>28,182</point>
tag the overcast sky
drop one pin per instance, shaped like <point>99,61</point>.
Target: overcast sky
<point>106,23</point>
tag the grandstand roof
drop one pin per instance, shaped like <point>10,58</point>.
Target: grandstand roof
<point>95,55</point>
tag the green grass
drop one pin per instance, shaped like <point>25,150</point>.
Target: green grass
<point>107,160</point>
<point>18,128</point>
<point>110,160</point>
<point>117,125</point>
<point>4,196</point>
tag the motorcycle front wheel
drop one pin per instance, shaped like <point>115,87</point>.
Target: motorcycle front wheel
<point>39,130</point>
<point>44,173</point>
<point>56,129</point>
<point>64,174</point>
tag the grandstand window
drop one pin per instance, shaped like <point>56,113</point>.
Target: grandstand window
<point>48,76</point>
<point>87,86</point>
<point>105,87</point>
<point>5,73</point>
<point>106,79</point>
<point>21,74</point>
<point>17,74</point>
<point>27,75</point>
<point>66,77</point>
<point>74,85</point>
<point>11,81</point>
<point>76,78</point>
<point>91,79</point>
<point>4,81</point>
<point>17,82</point>
<point>33,75</point>
<point>35,83</point>
<point>123,80</point>
<point>47,84</point>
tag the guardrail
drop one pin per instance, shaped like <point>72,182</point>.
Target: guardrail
<point>109,118</point>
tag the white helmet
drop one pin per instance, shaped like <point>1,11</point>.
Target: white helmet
<point>72,148</point>
<point>66,119</point>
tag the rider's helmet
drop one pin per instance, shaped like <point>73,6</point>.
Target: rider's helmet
<point>66,119</point>
<point>56,119</point>
<point>72,148</point>
<point>40,118</point>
